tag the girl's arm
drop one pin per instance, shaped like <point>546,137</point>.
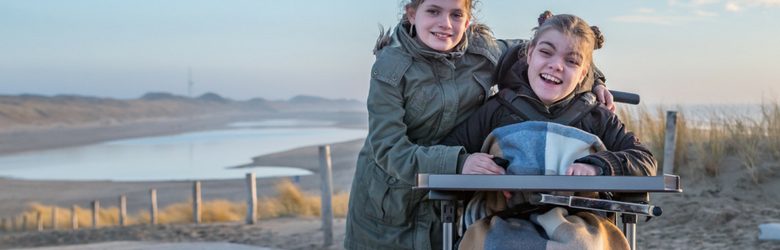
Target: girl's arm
<point>390,147</point>
<point>625,155</point>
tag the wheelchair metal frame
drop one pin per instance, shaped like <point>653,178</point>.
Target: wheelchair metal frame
<point>450,188</point>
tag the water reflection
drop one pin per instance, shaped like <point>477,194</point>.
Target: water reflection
<point>197,155</point>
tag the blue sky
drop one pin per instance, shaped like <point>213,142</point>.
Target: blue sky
<point>671,52</point>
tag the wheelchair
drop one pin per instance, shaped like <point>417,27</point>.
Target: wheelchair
<point>632,192</point>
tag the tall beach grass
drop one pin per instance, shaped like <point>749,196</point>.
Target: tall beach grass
<point>706,141</point>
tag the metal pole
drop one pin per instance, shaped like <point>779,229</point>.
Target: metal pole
<point>153,208</point>
<point>670,142</point>
<point>196,203</point>
<point>122,210</point>
<point>629,229</point>
<point>327,191</point>
<point>251,201</point>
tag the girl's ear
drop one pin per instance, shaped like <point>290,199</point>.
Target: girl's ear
<point>528,52</point>
<point>410,14</point>
<point>584,73</point>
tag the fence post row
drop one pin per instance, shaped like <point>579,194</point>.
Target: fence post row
<point>327,192</point>
<point>153,208</point>
<point>196,203</point>
<point>251,201</point>
<point>670,142</point>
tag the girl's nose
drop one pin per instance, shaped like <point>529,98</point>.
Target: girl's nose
<point>445,22</point>
<point>556,65</point>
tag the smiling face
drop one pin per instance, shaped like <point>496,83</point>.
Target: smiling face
<point>440,24</point>
<point>555,65</point>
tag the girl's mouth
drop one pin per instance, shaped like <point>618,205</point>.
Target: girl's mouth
<point>550,79</point>
<point>441,35</point>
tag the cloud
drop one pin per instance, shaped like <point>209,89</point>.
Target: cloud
<point>702,13</point>
<point>733,7</point>
<point>740,5</point>
<point>646,10</point>
<point>649,19</point>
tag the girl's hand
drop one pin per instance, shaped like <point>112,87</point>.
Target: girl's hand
<point>604,97</point>
<point>581,169</point>
<point>481,163</point>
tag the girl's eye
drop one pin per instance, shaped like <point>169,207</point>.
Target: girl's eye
<point>457,15</point>
<point>433,12</point>
<point>545,52</point>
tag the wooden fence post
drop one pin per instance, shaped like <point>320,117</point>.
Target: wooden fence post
<point>670,143</point>
<point>196,204</point>
<point>251,201</point>
<point>74,218</point>
<point>13,224</point>
<point>122,210</point>
<point>153,208</point>
<point>54,217</point>
<point>2,225</point>
<point>24,223</point>
<point>327,191</point>
<point>39,221</point>
<point>95,213</point>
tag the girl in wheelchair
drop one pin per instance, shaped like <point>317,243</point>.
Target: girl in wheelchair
<point>545,121</point>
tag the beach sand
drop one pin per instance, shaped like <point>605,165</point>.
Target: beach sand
<point>720,212</point>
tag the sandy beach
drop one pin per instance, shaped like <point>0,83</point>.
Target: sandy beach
<point>722,212</point>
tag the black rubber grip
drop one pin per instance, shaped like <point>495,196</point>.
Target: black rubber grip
<point>504,163</point>
<point>624,97</point>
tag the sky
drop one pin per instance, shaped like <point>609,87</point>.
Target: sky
<point>669,52</point>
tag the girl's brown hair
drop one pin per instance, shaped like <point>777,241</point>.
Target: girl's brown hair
<point>588,37</point>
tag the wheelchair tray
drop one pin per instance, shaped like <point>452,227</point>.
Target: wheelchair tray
<point>622,184</point>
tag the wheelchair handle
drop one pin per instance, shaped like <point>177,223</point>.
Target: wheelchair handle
<point>624,97</point>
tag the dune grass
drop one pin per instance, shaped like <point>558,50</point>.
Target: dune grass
<point>290,202</point>
<point>703,144</point>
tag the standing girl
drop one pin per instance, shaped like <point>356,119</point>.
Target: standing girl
<point>432,72</point>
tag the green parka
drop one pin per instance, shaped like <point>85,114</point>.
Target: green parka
<point>417,95</point>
